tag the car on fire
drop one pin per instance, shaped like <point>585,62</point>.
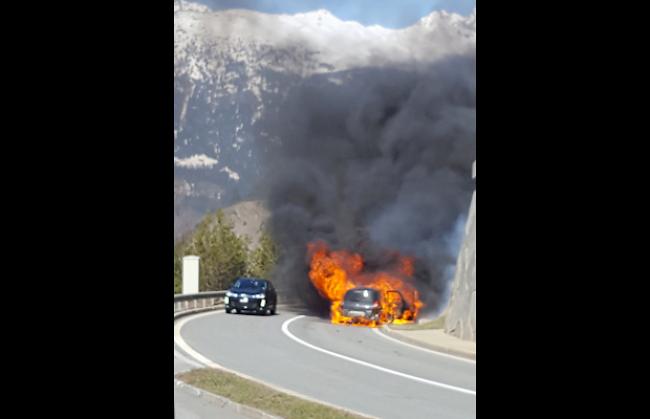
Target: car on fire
<point>366,304</point>
<point>251,295</point>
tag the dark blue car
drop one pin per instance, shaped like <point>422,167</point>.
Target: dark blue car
<point>251,295</point>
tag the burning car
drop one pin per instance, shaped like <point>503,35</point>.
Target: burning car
<point>361,302</point>
<point>368,305</point>
<point>361,296</point>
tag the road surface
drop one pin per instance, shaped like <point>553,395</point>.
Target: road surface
<point>352,367</point>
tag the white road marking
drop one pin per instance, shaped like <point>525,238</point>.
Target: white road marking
<point>187,360</point>
<point>459,358</point>
<point>285,330</point>
<point>178,339</point>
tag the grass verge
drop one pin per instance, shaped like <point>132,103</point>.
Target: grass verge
<point>259,396</point>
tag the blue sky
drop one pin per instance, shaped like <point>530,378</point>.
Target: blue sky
<point>387,13</point>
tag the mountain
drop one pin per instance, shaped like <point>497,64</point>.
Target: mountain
<point>233,69</point>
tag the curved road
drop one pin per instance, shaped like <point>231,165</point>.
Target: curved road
<point>352,367</point>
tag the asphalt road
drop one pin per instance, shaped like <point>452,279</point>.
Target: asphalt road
<point>352,367</point>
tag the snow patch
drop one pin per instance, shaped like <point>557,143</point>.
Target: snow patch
<point>231,173</point>
<point>197,161</point>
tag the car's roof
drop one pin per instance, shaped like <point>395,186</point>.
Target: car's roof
<point>252,279</point>
<point>363,289</point>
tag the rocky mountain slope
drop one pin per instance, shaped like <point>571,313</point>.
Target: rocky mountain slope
<point>461,313</point>
<point>233,69</point>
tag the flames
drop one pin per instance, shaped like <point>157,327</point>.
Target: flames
<point>334,272</point>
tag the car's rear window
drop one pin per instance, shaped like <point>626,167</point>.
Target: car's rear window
<point>249,283</point>
<point>358,296</point>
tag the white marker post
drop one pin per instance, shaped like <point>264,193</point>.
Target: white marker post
<point>191,274</point>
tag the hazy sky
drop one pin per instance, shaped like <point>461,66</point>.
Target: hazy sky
<point>387,13</point>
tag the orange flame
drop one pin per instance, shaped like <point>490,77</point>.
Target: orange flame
<point>333,273</point>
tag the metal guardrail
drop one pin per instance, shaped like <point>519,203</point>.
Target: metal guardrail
<point>209,299</point>
<point>184,302</point>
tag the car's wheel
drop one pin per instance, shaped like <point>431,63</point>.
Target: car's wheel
<point>267,312</point>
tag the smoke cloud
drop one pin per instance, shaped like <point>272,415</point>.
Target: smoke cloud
<point>374,160</point>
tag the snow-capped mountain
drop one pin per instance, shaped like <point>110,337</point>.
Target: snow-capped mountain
<point>232,69</point>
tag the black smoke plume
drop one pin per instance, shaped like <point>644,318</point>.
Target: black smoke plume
<point>374,160</point>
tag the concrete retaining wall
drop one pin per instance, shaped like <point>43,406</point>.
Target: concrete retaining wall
<point>461,312</point>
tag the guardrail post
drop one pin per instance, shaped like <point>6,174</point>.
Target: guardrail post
<point>190,274</point>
